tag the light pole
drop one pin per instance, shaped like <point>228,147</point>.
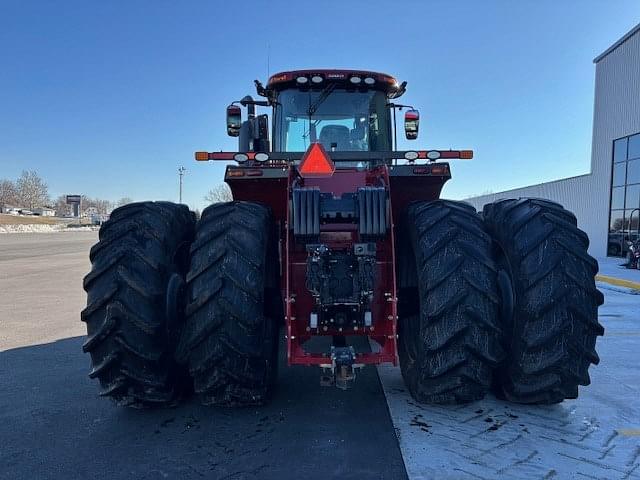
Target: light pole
<point>181,172</point>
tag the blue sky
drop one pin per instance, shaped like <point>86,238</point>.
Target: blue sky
<point>109,98</point>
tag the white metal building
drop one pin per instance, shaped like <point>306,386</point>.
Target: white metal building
<point>604,200</point>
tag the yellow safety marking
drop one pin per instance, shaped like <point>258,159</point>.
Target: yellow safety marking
<point>629,432</point>
<point>618,281</point>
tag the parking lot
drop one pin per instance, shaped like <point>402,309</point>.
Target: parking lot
<point>53,425</point>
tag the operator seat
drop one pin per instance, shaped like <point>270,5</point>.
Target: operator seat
<point>337,135</point>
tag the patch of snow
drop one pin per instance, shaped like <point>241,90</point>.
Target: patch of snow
<point>43,228</point>
<point>612,267</point>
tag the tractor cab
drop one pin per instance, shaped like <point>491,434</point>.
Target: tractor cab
<point>338,109</point>
<point>343,110</point>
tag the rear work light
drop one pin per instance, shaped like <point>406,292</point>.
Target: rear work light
<point>411,156</point>
<point>316,162</point>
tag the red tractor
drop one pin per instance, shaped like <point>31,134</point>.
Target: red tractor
<point>339,238</point>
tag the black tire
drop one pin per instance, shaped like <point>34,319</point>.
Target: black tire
<point>140,248</point>
<point>230,340</point>
<point>553,330</point>
<point>449,335</point>
<point>614,250</point>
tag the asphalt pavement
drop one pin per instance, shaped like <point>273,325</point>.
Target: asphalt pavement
<point>53,424</point>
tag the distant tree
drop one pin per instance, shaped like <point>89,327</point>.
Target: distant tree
<point>8,193</point>
<point>100,206</point>
<point>85,203</point>
<point>618,224</point>
<point>104,206</point>
<point>123,201</point>
<point>61,207</point>
<point>32,190</point>
<point>219,193</point>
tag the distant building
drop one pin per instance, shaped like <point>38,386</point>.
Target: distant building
<point>44,211</point>
<point>10,209</point>
<point>99,218</point>
<point>606,201</point>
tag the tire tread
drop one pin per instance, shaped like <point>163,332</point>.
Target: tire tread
<point>556,314</point>
<point>449,348</point>
<point>126,326</point>
<point>230,339</point>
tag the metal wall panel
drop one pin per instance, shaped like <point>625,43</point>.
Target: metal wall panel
<point>616,114</point>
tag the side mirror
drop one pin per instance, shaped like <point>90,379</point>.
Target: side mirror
<point>234,120</point>
<point>411,124</point>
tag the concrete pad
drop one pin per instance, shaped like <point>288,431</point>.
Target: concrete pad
<point>611,267</point>
<point>596,436</point>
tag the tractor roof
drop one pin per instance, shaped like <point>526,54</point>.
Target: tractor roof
<point>319,77</point>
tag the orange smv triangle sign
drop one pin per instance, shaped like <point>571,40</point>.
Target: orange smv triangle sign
<point>316,162</point>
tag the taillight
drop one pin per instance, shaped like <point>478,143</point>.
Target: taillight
<point>235,172</point>
<point>439,169</point>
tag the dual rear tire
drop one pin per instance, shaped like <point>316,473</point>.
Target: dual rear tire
<point>148,346</point>
<point>129,335</point>
<point>506,300</point>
